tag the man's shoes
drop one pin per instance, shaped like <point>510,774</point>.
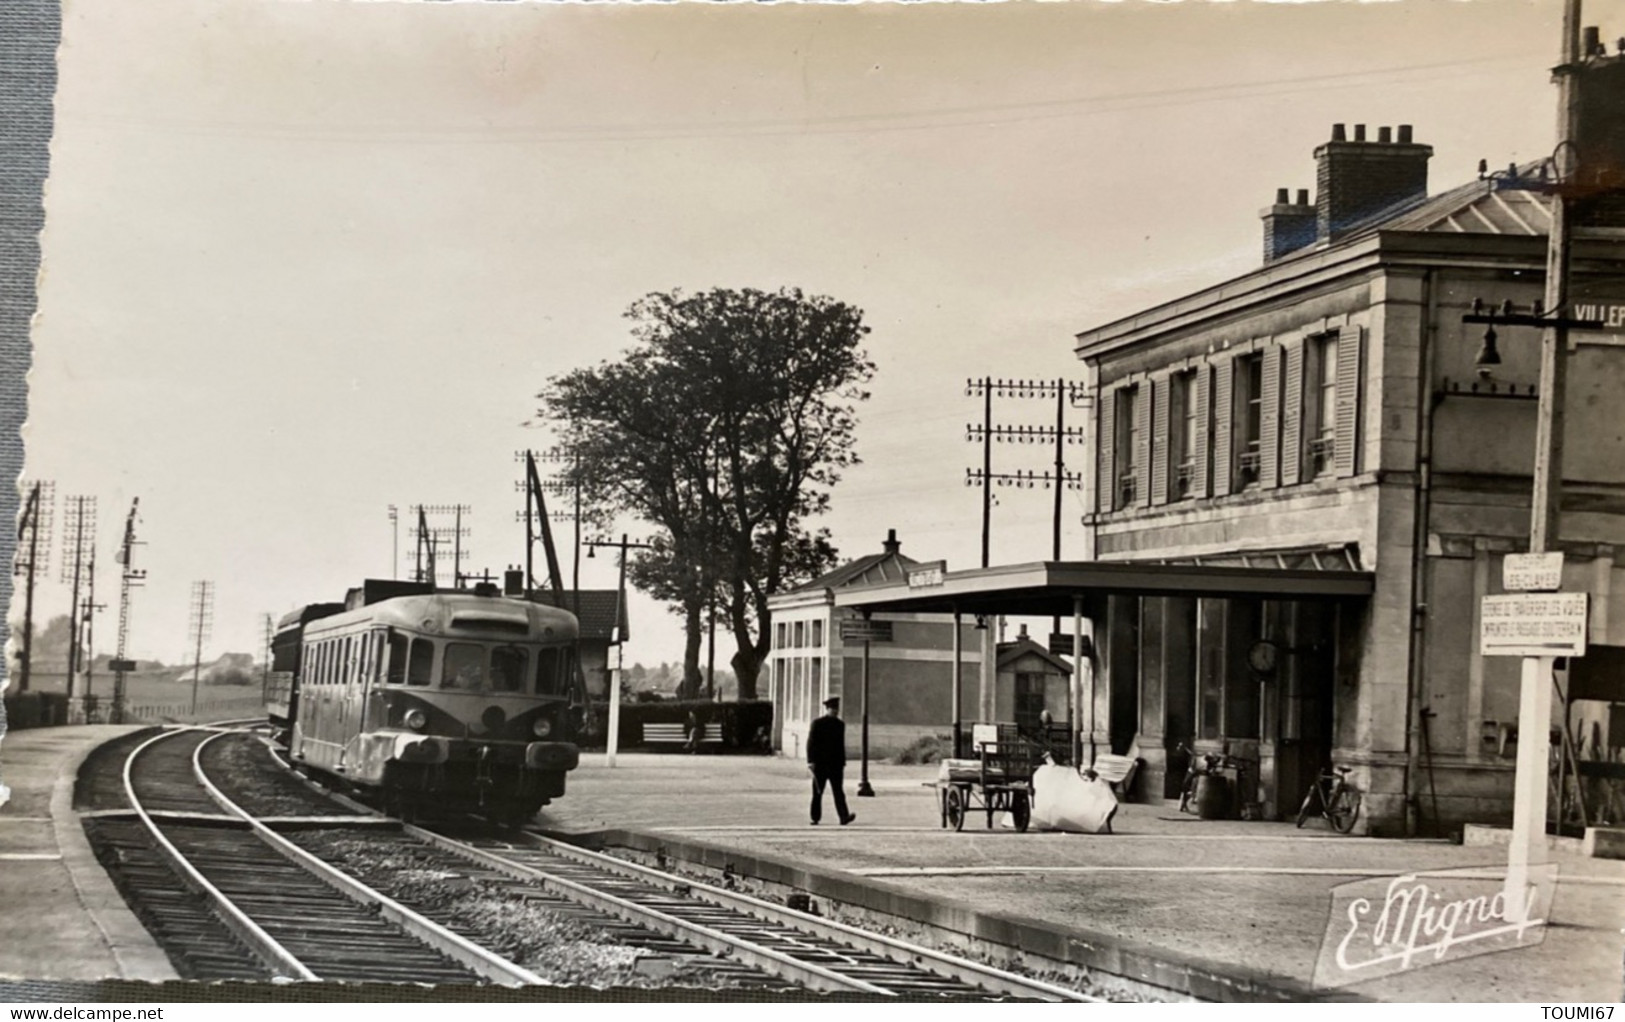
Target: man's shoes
<point>848,818</point>
<point>815,823</point>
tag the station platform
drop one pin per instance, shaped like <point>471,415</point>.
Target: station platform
<point>1223,909</point>
<point>60,916</point>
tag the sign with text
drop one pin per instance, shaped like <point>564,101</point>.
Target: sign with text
<point>126,666</point>
<point>1532,573</point>
<point>925,576</point>
<point>1060,644</point>
<point>1533,624</point>
<point>859,630</point>
<point>1610,311</point>
<point>1387,925</point>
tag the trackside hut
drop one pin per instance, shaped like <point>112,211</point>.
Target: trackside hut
<point>910,679</point>
<point>1332,405</point>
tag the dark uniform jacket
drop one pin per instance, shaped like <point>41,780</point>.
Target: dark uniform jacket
<point>826,744</point>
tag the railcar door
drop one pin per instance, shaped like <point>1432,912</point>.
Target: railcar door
<point>374,709</point>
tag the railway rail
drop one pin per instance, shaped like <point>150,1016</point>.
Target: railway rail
<point>259,903</point>
<point>817,953</point>
<point>289,914</point>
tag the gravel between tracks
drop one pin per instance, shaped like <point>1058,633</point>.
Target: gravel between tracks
<point>521,929</point>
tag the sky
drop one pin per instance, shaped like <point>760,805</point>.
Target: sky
<point>307,260</point>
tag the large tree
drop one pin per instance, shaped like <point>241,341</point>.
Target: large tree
<point>725,427</point>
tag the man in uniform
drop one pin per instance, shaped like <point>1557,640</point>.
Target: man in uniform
<point>826,759</point>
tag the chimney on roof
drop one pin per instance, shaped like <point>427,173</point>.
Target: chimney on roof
<point>1358,179</point>
<point>1021,633</point>
<point>1600,137</point>
<point>1288,226</point>
<point>891,545</point>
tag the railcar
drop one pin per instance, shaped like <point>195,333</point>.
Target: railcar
<point>431,702</point>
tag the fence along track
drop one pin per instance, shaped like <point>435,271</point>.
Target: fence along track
<point>487,964</point>
<point>765,935</point>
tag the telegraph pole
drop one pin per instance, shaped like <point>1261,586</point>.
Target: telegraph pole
<point>202,619</point>
<point>37,515</point>
<point>81,518</point>
<point>1528,844</point>
<point>265,671</point>
<point>613,738</point>
<point>91,607</point>
<point>1535,698</point>
<point>394,542</point>
<point>1060,435</point>
<point>129,578</point>
<point>435,537</point>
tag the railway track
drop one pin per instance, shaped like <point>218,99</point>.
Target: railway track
<point>258,904</point>
<point>288,914</point>
<point>682,918</point>
<point>813,952</point>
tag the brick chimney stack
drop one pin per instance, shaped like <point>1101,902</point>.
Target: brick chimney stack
<point>1288,226</point>
<point>1358,179</point>
<point>891,546</point>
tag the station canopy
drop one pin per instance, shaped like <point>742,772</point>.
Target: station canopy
<point>1049,588</point>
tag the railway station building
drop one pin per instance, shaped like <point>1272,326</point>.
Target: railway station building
<point>909,692</point>
<point>1304,479</point>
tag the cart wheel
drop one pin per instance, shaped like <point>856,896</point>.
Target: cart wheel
<point>1022,810</point>
<point>955,802</point>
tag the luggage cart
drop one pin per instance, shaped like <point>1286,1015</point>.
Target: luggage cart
<point>999,780</point>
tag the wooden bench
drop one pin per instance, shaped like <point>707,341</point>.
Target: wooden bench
<point>1117,771</point>
<point>677,734</point>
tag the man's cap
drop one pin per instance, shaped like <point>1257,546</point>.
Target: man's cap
<point>833,702</point>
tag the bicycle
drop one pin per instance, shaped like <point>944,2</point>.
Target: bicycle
<point>1339,800</point>
<point>1198,766</point>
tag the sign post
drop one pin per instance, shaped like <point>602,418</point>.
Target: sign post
<point>1538,626</point>
<point>865,631</point>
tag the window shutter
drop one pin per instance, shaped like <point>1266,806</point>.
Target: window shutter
<point>1347,442</point>
<point>1269,420</point>
<point>1201,393</point>
<point>1292,416</point>
<point>1159,440</point>
<point>1142,444</point>
<point>1105,451</point>
<point>1224,414</point>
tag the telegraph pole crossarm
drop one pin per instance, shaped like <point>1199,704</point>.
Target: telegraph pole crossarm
<point>1060,434</point>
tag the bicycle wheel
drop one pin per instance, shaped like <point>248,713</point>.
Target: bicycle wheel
<point>1308,800</point>
<point>1187,794</point>
<point>1345,809</point>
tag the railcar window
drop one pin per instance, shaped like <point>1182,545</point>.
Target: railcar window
<point>421,668</point>
<point>464,666</point>
<point>549,679</point>
<point>508,669</point>
<point>398,645</point>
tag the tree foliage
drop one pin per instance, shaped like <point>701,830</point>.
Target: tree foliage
<point>724,427</point>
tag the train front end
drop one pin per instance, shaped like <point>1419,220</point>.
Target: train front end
<point>468,703</point>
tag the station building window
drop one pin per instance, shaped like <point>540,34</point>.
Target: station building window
<point>1127,435</point>
<point>1320,405</point>
<point>1183,447</point>
<point>1249,419</point>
